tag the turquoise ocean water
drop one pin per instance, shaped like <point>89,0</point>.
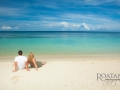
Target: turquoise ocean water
<point>59,43</point>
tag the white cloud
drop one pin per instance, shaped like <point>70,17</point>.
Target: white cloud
<point>83,26</point>
<point>69,26</point>
<point>8,27</point>
<point>65,24</point>
<point>92,20</point>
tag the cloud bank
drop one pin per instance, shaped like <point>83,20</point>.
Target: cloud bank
<point>9,27</point>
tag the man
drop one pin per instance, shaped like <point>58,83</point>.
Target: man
<point>20,62</point>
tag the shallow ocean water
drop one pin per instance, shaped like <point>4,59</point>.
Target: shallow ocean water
<point>59,43</point>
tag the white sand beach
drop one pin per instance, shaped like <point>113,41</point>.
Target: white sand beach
<point>63,74</point>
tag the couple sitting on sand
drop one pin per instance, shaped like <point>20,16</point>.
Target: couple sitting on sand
<point>22,62</point>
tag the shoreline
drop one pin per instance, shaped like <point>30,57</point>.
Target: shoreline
<point>68,57</point>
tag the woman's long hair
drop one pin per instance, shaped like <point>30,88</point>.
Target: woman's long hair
<point>30,57</point>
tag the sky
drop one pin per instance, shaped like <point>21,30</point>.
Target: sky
<point>59,15</point>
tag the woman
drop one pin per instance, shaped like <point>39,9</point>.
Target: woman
<point>32,61</point>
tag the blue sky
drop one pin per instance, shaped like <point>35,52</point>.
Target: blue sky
<point>60,15</point>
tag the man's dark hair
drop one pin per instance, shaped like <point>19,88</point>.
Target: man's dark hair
<point>20,52</point>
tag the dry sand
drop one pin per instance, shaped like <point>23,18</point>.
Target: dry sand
<point>63,74</point>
